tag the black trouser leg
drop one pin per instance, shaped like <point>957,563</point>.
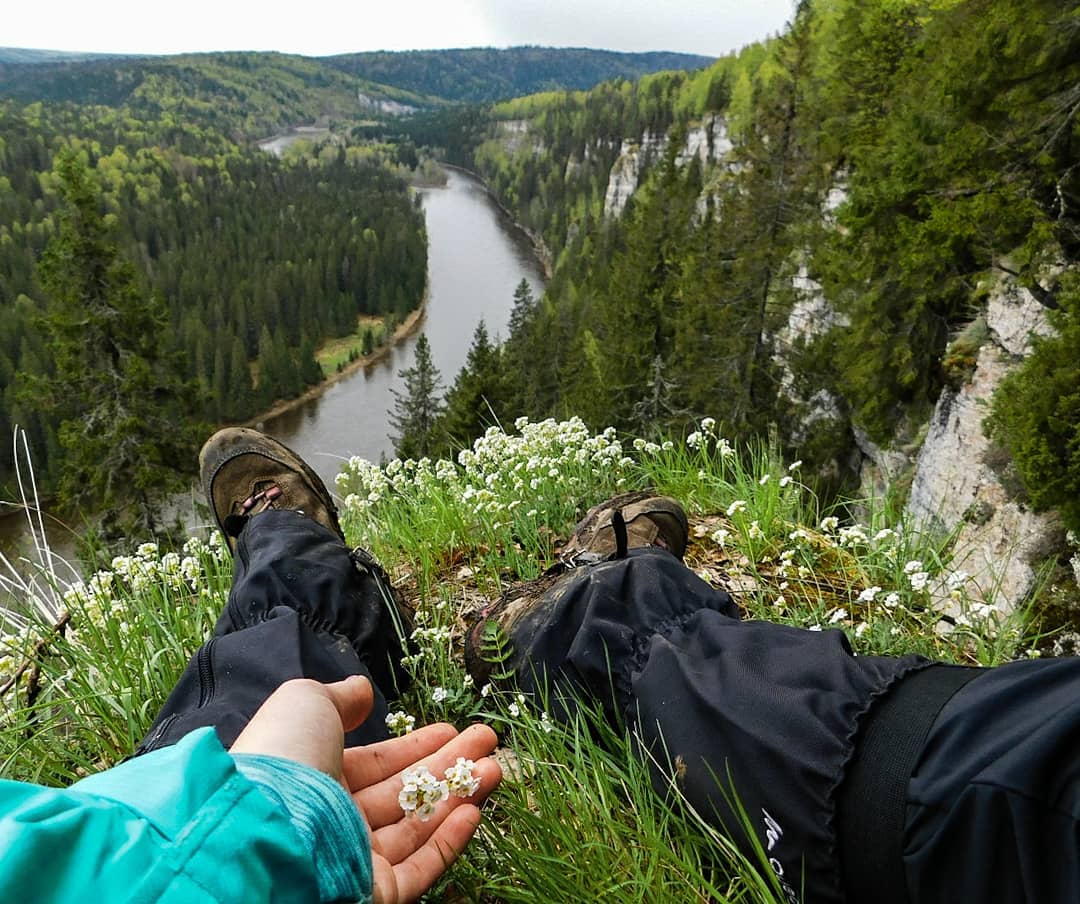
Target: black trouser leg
<point>993,805</point>
<point>300,607</point>
<point>766,710</point>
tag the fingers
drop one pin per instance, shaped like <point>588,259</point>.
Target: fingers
<point>418,872</point>
<point>372,763</point>
<point>379,801</point>
<point>353,698</point>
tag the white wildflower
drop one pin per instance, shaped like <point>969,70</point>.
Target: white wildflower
<point>439,694</point>
<point>829,524</point>
<point>958,579</point>
<point>869,594</point>
<point>460,780</point>
<point>850,536</point>
<point>739,505</point>
<point>420,792</point>
<point>400,722</point>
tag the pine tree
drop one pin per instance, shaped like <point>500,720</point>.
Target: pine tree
<point>124,411</point>
<point>416,410</point>
<point>475,401</point>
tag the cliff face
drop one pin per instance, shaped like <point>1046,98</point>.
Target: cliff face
<point>957,484</point>
<point>707,140</point>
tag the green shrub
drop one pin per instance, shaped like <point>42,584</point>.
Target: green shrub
<point>1036,413</point>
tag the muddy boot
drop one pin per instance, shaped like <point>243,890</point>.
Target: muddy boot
<point>245,473</point>
<point>608,531</point>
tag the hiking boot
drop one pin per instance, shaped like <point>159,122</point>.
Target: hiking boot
<point>608,531</point>
<point>628,521</point>
<point>245,472</point>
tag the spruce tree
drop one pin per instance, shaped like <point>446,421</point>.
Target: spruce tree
<point>416,410</point>
<point>475,401</point>
<point>122,405</point>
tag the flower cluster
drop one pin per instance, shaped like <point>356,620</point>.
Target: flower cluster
<point>545,460</point>
<point>400,722</point>
<point>916,575</point>
<point>421,791</point>
<point>106,597</point>
<point>460,779</point>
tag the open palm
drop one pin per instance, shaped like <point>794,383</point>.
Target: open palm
<point>306,721</point>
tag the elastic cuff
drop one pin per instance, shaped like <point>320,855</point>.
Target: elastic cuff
<point>324,817</point>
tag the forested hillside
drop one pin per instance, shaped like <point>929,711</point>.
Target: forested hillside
<point>245,95</point>
<point>24,55</point>
<point>878,168</point>
<point>253,259</point>
<point>481,74</point>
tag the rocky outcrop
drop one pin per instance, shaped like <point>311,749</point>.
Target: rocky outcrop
<point>708,141</point>
<point>515,134</point>
<point>881,468</point>
<point>386,107</point>
<point>634,158</point>
<point>998,539</point>
<point>810,317</point>
<point>1014,316</point>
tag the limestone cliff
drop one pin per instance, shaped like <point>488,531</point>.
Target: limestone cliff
<point>707,140</point>
<point>957,484</point>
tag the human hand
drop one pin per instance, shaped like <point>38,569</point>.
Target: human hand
<point>305,721</point>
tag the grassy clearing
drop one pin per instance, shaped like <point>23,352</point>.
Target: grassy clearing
<point>335,353</point>
<point>576,818</point>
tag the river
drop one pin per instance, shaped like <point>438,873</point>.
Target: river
<point>476,258</point>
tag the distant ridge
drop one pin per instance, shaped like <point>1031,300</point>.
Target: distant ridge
<point>482,74</point>
<point>30,56</point>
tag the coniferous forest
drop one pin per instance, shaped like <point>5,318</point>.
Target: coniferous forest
<point>239,262</point>
<point>254,260</point>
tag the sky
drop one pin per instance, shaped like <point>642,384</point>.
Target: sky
<point>322,27</point>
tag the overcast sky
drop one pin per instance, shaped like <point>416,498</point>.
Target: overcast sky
<point>320,27</point>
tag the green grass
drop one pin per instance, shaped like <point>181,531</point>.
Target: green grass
<point>338,352</point>
<point>576,818</point>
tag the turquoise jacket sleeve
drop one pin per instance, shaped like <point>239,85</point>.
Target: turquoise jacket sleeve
<point>184,824</point>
